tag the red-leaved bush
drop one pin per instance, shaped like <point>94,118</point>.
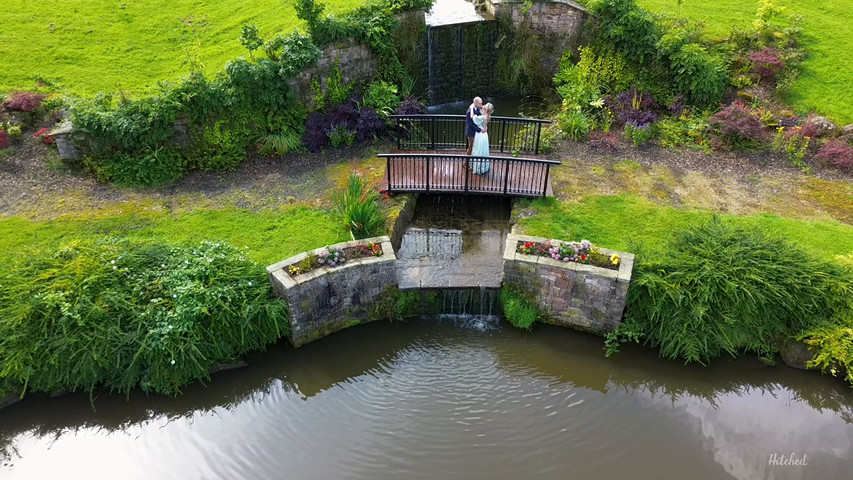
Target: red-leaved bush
<point>4,139</point>
<point>603,141</point>
<point>767,64</point>
<point>735,126</point>
<point>837,153</point>
<point>23,101</point>
<point>45,138</point>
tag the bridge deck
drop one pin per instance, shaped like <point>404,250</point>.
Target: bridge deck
<point>448,175</point>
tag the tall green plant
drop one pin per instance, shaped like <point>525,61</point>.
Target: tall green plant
<point>721,289</point>
<point>519,309</point>
<point>126,316</point>
<point>359,208</point>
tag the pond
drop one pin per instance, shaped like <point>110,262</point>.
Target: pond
<point>455,397</point>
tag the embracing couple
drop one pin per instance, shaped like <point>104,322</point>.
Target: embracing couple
<point>477,120</point>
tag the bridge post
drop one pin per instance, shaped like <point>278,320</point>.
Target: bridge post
<point>466,170</point>
<point>545,183</point>
<point>503,135</point>
<point>538,134</point>
<point>506,175</point>
<point>388,172</point>
<point>428,168</point>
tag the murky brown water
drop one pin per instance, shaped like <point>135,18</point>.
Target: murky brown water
<point>448,399</point>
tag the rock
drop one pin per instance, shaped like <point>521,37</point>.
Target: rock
<point>824,127</point>
<point>796,354</point>
<point>847,133</point>
<point>228,366</point>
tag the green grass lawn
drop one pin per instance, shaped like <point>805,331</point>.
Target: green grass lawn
<point>270,235</point>
<point>620,222</point>
<point>826,74</point>
<point>89,46</point>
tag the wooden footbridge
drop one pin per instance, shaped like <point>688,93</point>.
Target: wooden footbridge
<point>515,166</point>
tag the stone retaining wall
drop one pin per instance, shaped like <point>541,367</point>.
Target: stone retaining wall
<point>583,297</point>
<point>356,61</point>
<point>557,22</point>
<point>329,299</point>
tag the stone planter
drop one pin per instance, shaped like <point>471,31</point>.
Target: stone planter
<point>583,297</point>
<point>329,299</point>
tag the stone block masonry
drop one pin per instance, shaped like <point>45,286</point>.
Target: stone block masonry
<point>583,297</point>
<point>329,299</point>
<point>356,61</point>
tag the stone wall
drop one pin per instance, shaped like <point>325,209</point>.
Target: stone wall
<point>329,299</point>
<point>557,22</point>
<point>583,297</point>
<point>356,61</point>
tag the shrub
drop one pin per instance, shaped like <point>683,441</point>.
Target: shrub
<point>603,141</point>
<point>722,289</point>
<point>221,147</point>
<point>832,344</point>
<point>625,27</point>
<point>574,124</point>
<point>23,101</point>
<point>837,153</point>
<point>792,143</point>
<point>4,139</point>
<point>382,97</point>
<point>698,74</point>
<point>316,134</point>
<point>369,125</point>
<point>410,106</point>
<point>519,309</point>
<point>685,131</point>
<point>146,169</point>
<point>127,316</point>
<point>42,134</point>
<point>767,65</point>
<point>633,106</point>
<point>341,135</point>
<point>639,135</point>
<point>281,143</point>
<point>359,209</point>
<point>735,127</point>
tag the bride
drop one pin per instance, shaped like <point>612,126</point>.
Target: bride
<point>481,140</point>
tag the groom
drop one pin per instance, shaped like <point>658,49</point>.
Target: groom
<point>471,128</point>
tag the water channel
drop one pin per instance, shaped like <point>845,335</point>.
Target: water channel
<point>448,399</point>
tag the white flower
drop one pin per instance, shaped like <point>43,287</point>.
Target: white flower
<point>174,295</point>
<point>250,284</point>
<point>113,262</point>
<point>162,265</point>
<point>186,262</point>
<point>209,260</point>
<point>114,267</point>
<point>173,361</point>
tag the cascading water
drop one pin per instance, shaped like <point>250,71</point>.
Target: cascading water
<point>461,52</point>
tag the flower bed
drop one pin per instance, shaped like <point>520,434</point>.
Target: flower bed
<point>579,252</point>
<point>334,256</point>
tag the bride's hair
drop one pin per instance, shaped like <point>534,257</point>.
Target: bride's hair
<point>489,108</point>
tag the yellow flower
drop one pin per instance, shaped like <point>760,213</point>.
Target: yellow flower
<point>614,259</point>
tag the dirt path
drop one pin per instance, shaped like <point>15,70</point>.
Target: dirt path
<point>34,183</point>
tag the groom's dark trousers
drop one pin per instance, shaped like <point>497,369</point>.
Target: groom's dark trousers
<point>471,128</point>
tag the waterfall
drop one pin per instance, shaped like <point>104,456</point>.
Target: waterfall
<point>461,52</point>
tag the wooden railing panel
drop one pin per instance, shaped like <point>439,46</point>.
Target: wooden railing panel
<point>447,132</point>
<point>407,172</point>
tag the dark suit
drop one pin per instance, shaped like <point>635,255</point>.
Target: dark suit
<point>471,128</point>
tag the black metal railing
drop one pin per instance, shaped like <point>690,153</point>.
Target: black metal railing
<point>436,173</point>
<point>447,132</point>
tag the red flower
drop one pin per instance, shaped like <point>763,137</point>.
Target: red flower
<point>583,257</point>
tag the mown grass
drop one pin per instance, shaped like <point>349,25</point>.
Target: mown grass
<point>89,46</point>
<point>621,222</point>
<point>826,73</point>
<point>271,235</point>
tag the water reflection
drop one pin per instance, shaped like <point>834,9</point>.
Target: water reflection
<point>460,397</point>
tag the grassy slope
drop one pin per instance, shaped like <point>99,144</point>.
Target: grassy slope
<point>270,235</point>
<point>826,74</point>
<point>89,46</point>
<point>618,220</point>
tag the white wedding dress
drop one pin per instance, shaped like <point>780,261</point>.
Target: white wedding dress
<point>481,147</point>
